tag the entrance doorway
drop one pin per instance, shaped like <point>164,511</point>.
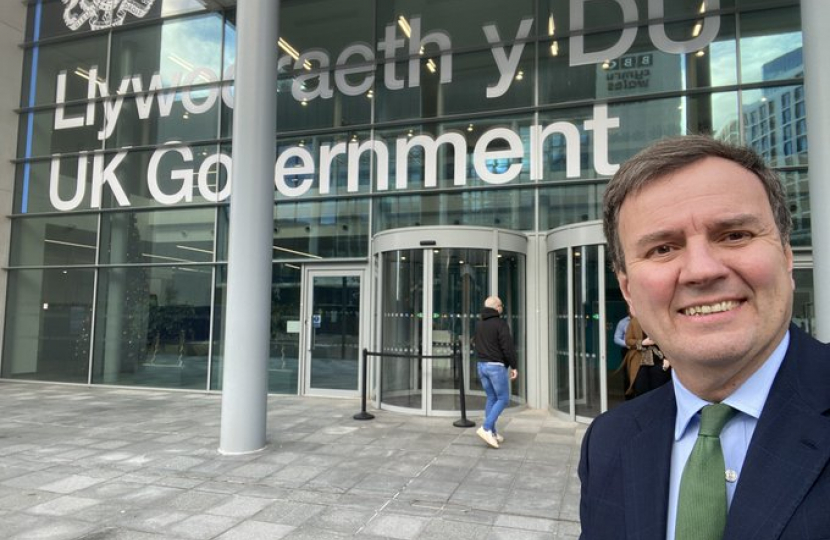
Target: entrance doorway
<point>332,336</point>
<point>586,305</point>
<point>432,283</point>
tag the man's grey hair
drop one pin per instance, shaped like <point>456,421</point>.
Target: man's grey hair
<point>670,155</point>
<point>492,302</point>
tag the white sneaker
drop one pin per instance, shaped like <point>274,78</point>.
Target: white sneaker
<point>487,437</point>
<point>499,438</point>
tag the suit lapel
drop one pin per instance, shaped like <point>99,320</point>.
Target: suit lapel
<point>789,449</point>
<point>646,461</point>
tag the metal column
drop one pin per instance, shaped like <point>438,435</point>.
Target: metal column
<point>815,20</point>
<point>248,310</point>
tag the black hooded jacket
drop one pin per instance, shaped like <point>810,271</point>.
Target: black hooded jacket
<point>493,342</point>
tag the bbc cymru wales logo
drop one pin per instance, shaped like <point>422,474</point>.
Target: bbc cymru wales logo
<point>102,13</point>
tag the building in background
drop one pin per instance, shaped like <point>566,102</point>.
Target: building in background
<point>428,154</point>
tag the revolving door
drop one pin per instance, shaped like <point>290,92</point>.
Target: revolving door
<point>432,283</point>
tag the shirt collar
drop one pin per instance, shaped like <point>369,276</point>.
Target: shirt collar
<point>749,398</point>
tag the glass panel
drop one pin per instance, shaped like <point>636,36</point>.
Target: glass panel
<point>69,66</point>
<point>775,124</point>
<point>283,366</point>
<point>570,204</point>
<point>48,325</point>
<point>53,23</point>
<point>162,177</point>
<point>641,69</point>
<point>512,293</point>
<point>182,52</point>
<point>314,230</point>
<point>797,187</point>
<point>335,332</point>
<point>54,240</point>
<point>771,45</point>
<point>601,14</point>
<point>804,313</point>
<point>643,122</point>
<point>153,326</point>
<point>459,286</point>
<point>402,328</point>
<point>460,20</point>
<point>502,209</point>
<point>183,236</point>
<point>586,331</point>
<point>560,386</point>
<point>615,309</point>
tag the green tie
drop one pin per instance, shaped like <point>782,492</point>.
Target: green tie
<point>701,506</point>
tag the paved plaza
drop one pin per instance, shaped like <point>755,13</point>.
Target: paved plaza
<point>81,463</point>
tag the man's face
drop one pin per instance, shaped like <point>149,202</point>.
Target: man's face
<point>706,273</point>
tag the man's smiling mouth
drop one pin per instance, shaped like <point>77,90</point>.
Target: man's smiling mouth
<point>707,309</point>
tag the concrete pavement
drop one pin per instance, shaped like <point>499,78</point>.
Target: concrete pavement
<point>97,463</point>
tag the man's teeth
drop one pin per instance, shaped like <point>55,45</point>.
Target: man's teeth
<point>711,308</point>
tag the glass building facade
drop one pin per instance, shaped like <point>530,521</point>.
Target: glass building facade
<point>428,154</point>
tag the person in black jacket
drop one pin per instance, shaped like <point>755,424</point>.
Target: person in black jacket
<point>496,363</point>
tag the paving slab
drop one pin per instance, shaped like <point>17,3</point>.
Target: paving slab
<point>104,463</point>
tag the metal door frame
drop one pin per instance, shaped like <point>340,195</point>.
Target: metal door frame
<point>570,237</point>
<point>428,239</point>
<point>306,312</point>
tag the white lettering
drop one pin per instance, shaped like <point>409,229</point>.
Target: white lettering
<point>507,65</point>
<point>305,168</point>
<point>514,151</point>
<point>106,175</point>
<point>185,192</point>
<point>430,146</point>
<point>54,184</point>
<point>220,160</point>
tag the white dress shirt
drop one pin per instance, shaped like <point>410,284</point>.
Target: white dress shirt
<point>748,400</point>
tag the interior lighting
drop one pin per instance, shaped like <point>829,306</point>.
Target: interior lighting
<point>554,48</point>
<point>303,253</point>
<point>520,75</point>
<point>431,65</point>
<point>606,64</point>
<point>470,127</point>
<point>696,30</point>
<point>404,24</point>
<point>700,53</point>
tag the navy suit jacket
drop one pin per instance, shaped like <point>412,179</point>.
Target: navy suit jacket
<point>784,489</point>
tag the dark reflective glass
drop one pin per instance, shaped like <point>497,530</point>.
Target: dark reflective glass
<point>283,362</point>
<point>48,325</point>
<point>564,205</point>
<point>54,240</point>
<point>487,208</point>
<point>463,26</point>
<point>70,71</point>
<point>153,326</point>
<point>166,236</point>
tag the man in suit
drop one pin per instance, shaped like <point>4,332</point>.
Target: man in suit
<point>698,233</point>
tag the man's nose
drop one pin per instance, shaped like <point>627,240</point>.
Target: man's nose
<point>702,263</point>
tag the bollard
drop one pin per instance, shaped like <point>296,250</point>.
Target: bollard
<point>363,415</point>
<point>463,422</point>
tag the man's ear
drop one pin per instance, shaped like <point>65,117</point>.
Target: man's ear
<point>622,278</point>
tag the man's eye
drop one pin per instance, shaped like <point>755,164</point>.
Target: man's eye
<point>660,250</point>
<point>736,236</point>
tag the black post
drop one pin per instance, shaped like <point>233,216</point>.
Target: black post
<point>459,377</point>
<point>363,415</point>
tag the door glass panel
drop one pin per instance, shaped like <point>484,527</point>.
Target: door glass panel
<point>335,333</point>
<point>804,315</point>
<point>558,338</point>
<point>460,282</point>
<point>586,331</point>
<point>615,310</point>
<point>511,290</point>
<point>402,328</point>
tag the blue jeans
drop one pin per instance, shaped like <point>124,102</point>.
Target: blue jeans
<point>496,382</point>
